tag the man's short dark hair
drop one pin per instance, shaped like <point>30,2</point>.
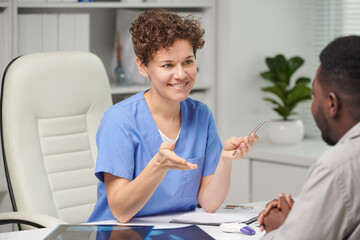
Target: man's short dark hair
<point>340,70</point>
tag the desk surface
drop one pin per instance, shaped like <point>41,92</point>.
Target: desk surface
<point>160,221</point>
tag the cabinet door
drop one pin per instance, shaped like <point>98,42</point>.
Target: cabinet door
<point>270,179</point>
<point>239,188</point>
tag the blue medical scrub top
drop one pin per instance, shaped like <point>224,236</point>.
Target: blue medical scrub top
<point>128,138</point>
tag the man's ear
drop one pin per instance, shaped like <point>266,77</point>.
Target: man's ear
<point>334,104</point>
<point>142,68</point>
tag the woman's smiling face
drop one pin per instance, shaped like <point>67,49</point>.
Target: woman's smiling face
<point>172,71</point>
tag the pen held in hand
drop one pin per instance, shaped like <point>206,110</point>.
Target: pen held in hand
<point>249,137</point>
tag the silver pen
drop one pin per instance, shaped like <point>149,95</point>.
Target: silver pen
<point>249,137</point>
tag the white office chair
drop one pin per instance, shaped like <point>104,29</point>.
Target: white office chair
<point>52,104</point>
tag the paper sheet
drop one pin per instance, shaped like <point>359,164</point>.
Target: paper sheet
<point>220,216</point>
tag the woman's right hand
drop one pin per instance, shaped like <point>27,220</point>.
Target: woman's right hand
<point>127,197</point>
<point>167,158</point>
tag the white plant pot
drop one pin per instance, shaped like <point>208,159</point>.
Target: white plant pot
<point>289,132</point>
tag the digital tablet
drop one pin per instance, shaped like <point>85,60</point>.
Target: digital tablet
<point>100,232</point>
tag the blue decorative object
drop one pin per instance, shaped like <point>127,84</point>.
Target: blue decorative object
<point>121,76</point>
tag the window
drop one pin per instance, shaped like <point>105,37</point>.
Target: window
<point>324,20</point>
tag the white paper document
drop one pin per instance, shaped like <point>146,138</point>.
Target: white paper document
<point>220,216</point>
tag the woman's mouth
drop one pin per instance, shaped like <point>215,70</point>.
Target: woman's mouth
<point>178,85</point>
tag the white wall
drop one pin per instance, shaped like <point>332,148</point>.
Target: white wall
<point>249,31</point>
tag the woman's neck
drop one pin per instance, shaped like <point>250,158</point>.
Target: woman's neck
<point>165,113</point>
<point>162,107</point>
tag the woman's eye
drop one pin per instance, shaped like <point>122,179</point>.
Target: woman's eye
<point>189,61</point>
<point>167,65</point>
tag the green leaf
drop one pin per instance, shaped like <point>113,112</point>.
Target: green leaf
<point>272,101</point>
<point>278,66</point>
<point>298,94</point>
<point>294,64</point>
<point>303,80</point>
<point>283,87</point>
<point>277,90</point>
<point>283,111</point>
<point>267,75</point>
<point>274,63</point>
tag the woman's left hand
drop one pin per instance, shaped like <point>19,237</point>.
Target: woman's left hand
<point>233,143</point>
<point>214,188</point>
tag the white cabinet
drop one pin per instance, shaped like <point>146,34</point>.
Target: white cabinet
<point>275,169</point>
<point>102,17</point>
<point>271,169</point>
<point>268,179</point>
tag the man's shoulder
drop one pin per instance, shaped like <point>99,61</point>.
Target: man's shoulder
<point>341,154</point>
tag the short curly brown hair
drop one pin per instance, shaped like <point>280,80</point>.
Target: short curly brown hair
<point>158,28</point>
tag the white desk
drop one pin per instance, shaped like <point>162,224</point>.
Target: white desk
<point>161,221</point>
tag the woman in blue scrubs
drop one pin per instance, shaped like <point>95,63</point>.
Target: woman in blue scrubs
<point>159,151</point>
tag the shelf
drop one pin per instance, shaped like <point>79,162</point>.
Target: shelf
<point>116,89</point>
<point>4,4</point>
<point>128,5</point>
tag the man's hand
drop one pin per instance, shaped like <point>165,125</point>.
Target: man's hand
<point>265,212</point>
<point>276,217</point>
<point>274,204</point>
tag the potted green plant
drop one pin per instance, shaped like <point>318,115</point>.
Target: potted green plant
<point>287,96</point>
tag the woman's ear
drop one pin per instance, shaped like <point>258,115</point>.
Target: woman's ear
<point>142,68</point>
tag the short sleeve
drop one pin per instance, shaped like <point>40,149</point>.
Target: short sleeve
<point>115,148</point>
<point>213,147</point>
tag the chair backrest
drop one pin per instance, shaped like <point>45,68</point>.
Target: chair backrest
<point>52,104</point>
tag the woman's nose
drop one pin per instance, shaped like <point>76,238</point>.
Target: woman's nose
<point>180,72</point>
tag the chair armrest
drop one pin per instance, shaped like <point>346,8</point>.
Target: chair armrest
<point>33,219</point>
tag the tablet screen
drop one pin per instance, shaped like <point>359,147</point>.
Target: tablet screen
<point>100,232</point>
